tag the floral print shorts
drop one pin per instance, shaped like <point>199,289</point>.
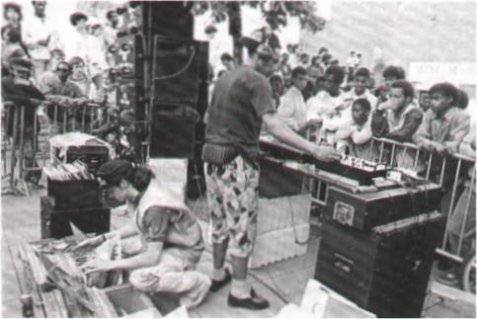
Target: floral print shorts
<point>232,194</point>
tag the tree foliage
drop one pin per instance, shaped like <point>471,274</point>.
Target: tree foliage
<point>275,13</point>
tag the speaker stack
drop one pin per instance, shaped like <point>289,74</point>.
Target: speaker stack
<point>175,72</point>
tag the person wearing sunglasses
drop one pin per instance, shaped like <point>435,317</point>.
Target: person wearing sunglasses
<point>61,92</point>
<point>242,99</point>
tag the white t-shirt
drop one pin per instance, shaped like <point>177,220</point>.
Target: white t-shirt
<point>292,109</point>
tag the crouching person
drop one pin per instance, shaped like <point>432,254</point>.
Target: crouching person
<point>171,236</point>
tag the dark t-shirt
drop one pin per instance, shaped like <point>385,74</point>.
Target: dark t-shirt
<point>239,100</point>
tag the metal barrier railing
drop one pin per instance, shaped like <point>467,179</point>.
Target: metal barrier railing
<point>443,170</point>
<point>445,167</point>
<point>21,136</point>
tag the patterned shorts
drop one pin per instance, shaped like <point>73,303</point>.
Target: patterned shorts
<point>232,193</point>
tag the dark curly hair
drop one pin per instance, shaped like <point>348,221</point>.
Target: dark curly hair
<point>116,170</point>
<point>14,7</point>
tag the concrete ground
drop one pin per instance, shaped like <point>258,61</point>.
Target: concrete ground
<point>281,282</point>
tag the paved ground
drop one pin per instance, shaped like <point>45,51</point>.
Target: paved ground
<point>21,223</point>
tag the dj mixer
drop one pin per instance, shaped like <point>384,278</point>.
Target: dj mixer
<point>354,168</point>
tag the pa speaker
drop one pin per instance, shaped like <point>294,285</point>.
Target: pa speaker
<point>179,71</point>
<point>173,131</point>
<point>169,19</point>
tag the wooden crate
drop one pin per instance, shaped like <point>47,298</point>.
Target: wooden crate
<point>129,302</point>
<point>385,271</point>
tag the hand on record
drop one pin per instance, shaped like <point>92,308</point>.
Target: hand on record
<point>326,153</point>
<point>96,265</point>
<point>94,241</point>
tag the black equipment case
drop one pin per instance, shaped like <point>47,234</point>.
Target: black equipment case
<point>55,222</point>
<point>74,194</point>
<point>385,271</point>
<point>364,211</point>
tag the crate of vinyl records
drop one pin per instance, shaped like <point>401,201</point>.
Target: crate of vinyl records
<point>71,185</point>
<point>72,146</point>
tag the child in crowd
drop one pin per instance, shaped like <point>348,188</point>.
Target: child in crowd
<point>355,135</point>
<point>328,106</point>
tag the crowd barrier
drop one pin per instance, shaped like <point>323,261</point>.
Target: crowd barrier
<point>453,171</point>
<point>21,132</point>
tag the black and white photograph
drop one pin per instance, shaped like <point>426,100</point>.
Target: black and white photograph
<point>238,159</point>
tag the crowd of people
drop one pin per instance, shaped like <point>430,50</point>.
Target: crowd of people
<point>78,82</point>
<point>314,104</point>
<point>340,109</point>
<point>340,105</point>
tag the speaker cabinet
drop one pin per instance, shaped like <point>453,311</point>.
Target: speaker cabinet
<point>173,131</point>
<point>175,71</point>
<point>169,19</point>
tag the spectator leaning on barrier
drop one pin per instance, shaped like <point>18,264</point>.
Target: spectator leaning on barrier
<point>443,128</point>
<point>445,125</point>
<point>356,134</point>
<point>60,91</point>
<point>19,89</point>
<point>399,118</point>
